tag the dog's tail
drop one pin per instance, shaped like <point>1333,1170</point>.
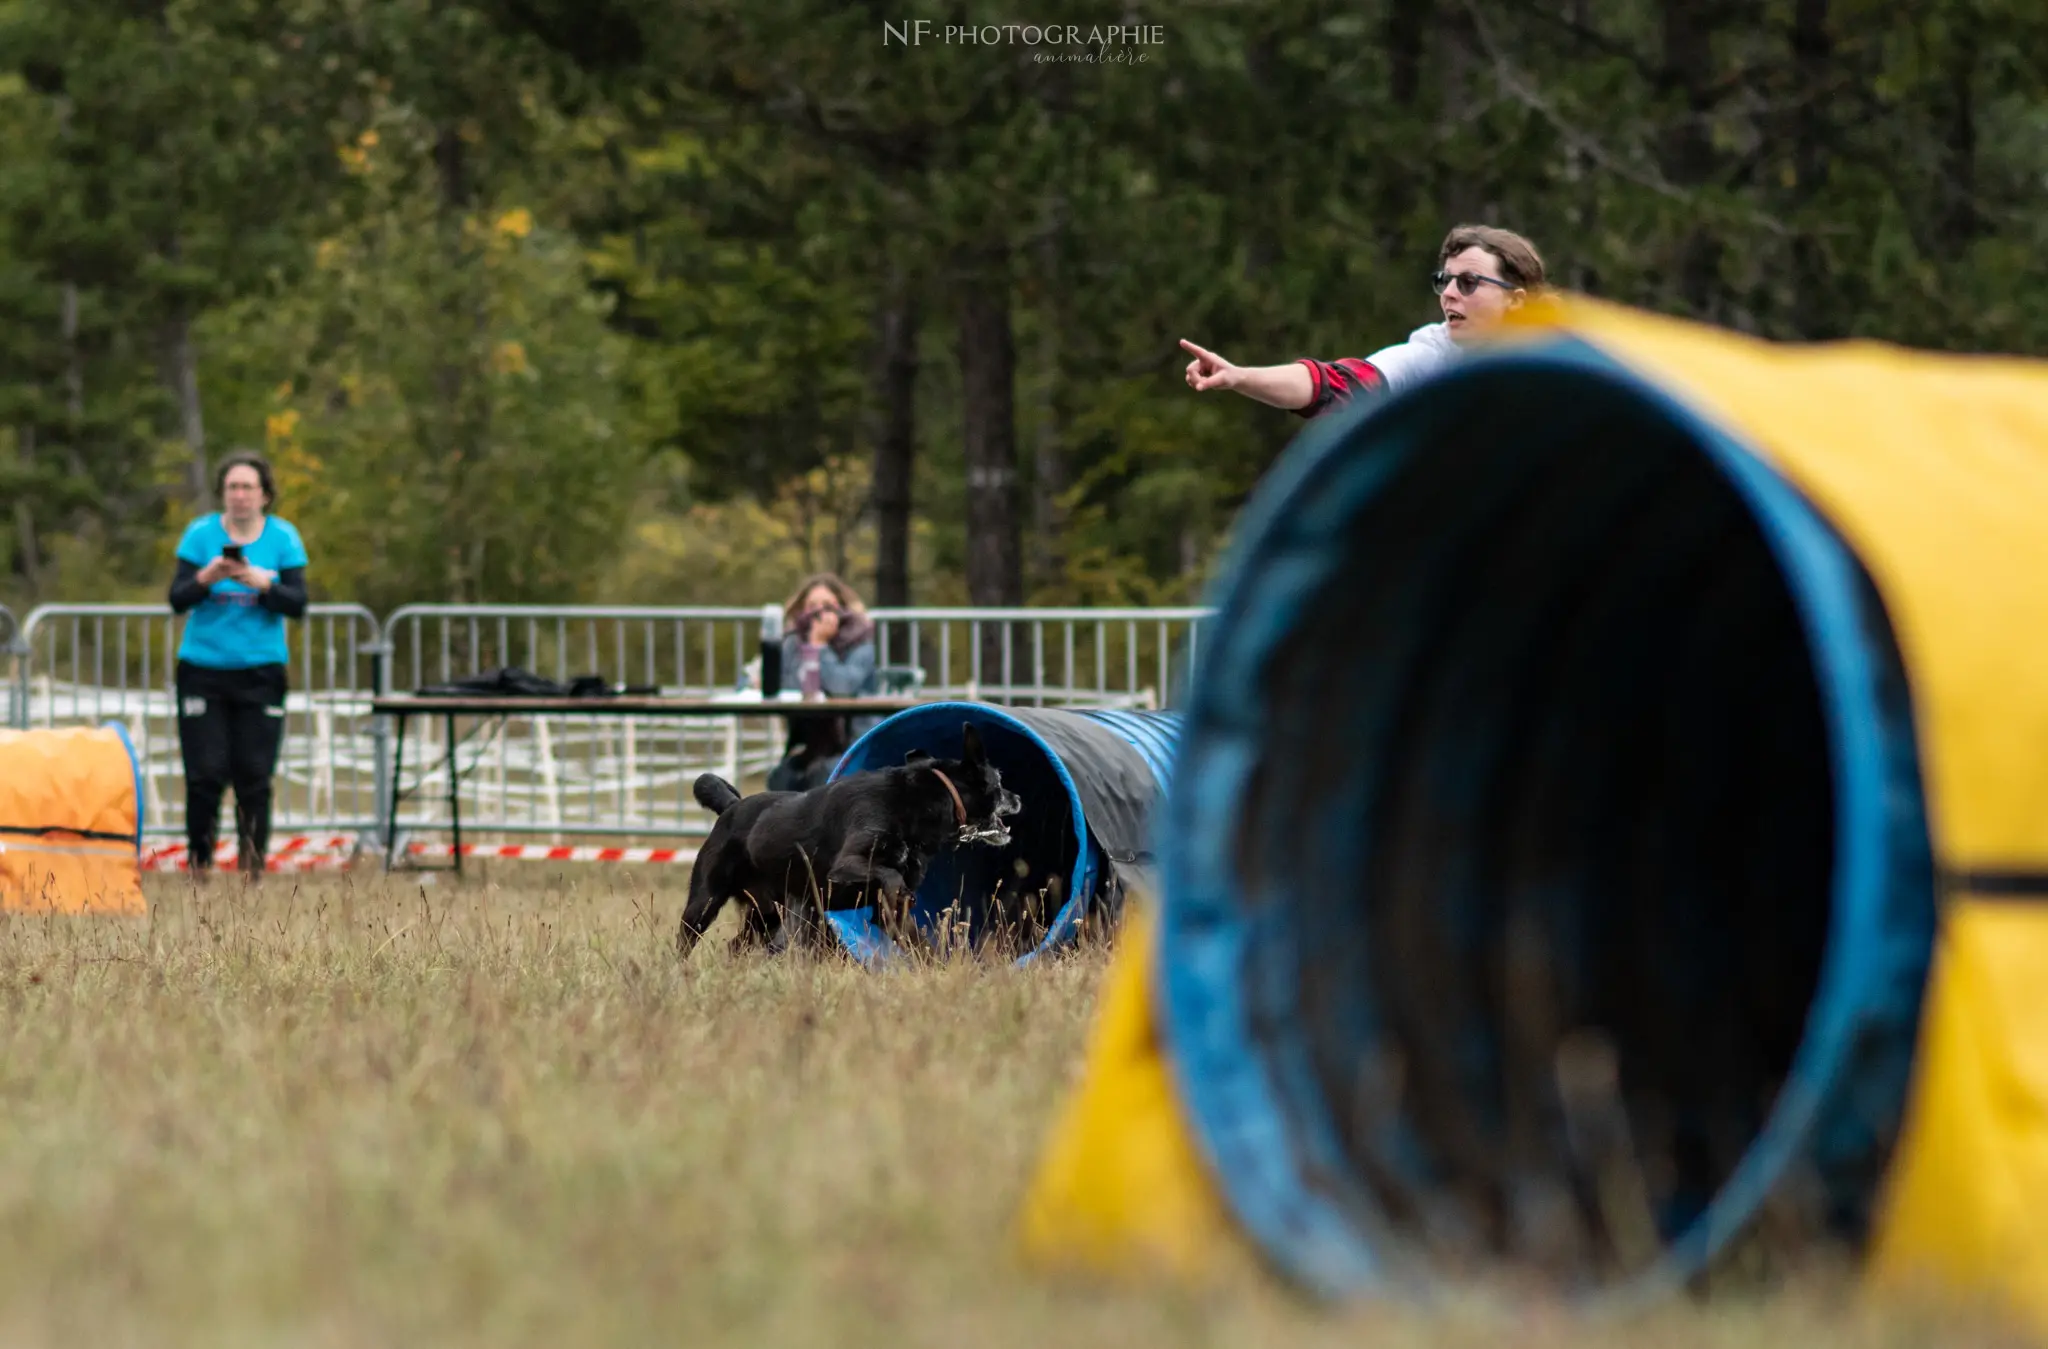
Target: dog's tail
<point>714,793</point>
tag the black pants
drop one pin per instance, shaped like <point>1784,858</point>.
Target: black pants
<point>801,773</point>
<point>815,745</point>
<point>230,724</point>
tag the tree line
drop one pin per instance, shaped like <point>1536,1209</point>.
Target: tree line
<point>626,300</point>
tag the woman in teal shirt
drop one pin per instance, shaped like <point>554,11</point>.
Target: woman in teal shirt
<point>241,573</point>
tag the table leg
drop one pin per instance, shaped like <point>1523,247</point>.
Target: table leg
<point>454,795</point>
<point>397,776</point>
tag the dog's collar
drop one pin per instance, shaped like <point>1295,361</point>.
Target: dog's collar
<point>959,806</point>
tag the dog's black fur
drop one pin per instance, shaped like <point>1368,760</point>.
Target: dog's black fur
<point>866,839</point>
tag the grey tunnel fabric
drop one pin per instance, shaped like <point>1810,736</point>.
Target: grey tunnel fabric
<point>1089,780</point>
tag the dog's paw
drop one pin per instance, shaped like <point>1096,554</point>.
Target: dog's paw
<point>891,910</point>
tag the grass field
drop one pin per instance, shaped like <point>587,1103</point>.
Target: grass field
<point>359,1112</point>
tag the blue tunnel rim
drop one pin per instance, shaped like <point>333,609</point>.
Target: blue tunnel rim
<point>120,728</point>
<point>1258,1148</point>
<point>853,930</point>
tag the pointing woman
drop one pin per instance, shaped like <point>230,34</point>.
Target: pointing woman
<point>1482,274</point>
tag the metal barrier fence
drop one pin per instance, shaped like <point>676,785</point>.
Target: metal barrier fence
<point>12,650</point>
<point>563,775</point>
<point>83,664</point>
<point>1044,657</point>
<point>683,650</point>
<point>560,776</point>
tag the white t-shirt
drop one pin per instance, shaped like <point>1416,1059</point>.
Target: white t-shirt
<point>1429,349</point>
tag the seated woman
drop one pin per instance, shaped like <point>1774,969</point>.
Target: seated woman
<point>828,651</point>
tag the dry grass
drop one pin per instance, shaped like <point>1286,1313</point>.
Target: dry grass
<point>360,1113</point>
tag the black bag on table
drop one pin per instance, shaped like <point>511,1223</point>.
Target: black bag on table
<point>510,681</point>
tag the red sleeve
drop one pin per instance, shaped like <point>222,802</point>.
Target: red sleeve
<point>1335,383</point>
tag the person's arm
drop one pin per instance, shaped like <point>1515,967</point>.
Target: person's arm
<point>1288,387</point>
<point>282,591</point>
<point>1338,382</point>
<point>1308,387</point>
<point>188,592</point>
<point>847,676</point>
<point>285,593</point>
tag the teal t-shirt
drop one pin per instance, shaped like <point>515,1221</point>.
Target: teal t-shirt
<point>229,629</point>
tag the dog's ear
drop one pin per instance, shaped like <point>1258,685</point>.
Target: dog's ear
<point>971,740</point>
<point>916,756</point>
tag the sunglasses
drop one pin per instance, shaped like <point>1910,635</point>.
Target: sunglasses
<point>1467,282</point>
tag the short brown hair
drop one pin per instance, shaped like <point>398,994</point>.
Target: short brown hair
<point>247,459</point>
<point>1520,264</point>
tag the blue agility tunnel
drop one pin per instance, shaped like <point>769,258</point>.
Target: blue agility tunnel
<point>1547,877</point>
<point>1087,779</point>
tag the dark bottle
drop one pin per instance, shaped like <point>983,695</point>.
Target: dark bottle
<point>771,650</point>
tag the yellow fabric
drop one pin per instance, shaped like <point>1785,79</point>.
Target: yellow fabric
<point>1934,469</point>
<point>73,876</point>
<point>1120,1188</point>
<point>1966,1210</point>
<point>57,787</point>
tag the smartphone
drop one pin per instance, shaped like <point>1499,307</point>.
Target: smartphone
<point>233,552</point>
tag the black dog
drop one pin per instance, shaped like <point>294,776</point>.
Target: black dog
<point>867,838</point>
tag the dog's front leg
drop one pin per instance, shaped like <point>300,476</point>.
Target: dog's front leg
<point>865,862</point>
<point>893,900</point>
<point>862,866</point>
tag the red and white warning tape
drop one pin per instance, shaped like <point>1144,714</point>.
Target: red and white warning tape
<point>541,853</point>
<point>318,853</point>
<point>305,852</point>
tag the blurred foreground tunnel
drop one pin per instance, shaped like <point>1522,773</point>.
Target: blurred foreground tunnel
<point>1557,865</point>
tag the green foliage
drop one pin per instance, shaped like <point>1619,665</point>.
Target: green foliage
<point>445,397</point>
<point>750,323</point>
<point>661,380</point>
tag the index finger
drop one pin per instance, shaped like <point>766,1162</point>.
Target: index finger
<point>1197,350</point>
